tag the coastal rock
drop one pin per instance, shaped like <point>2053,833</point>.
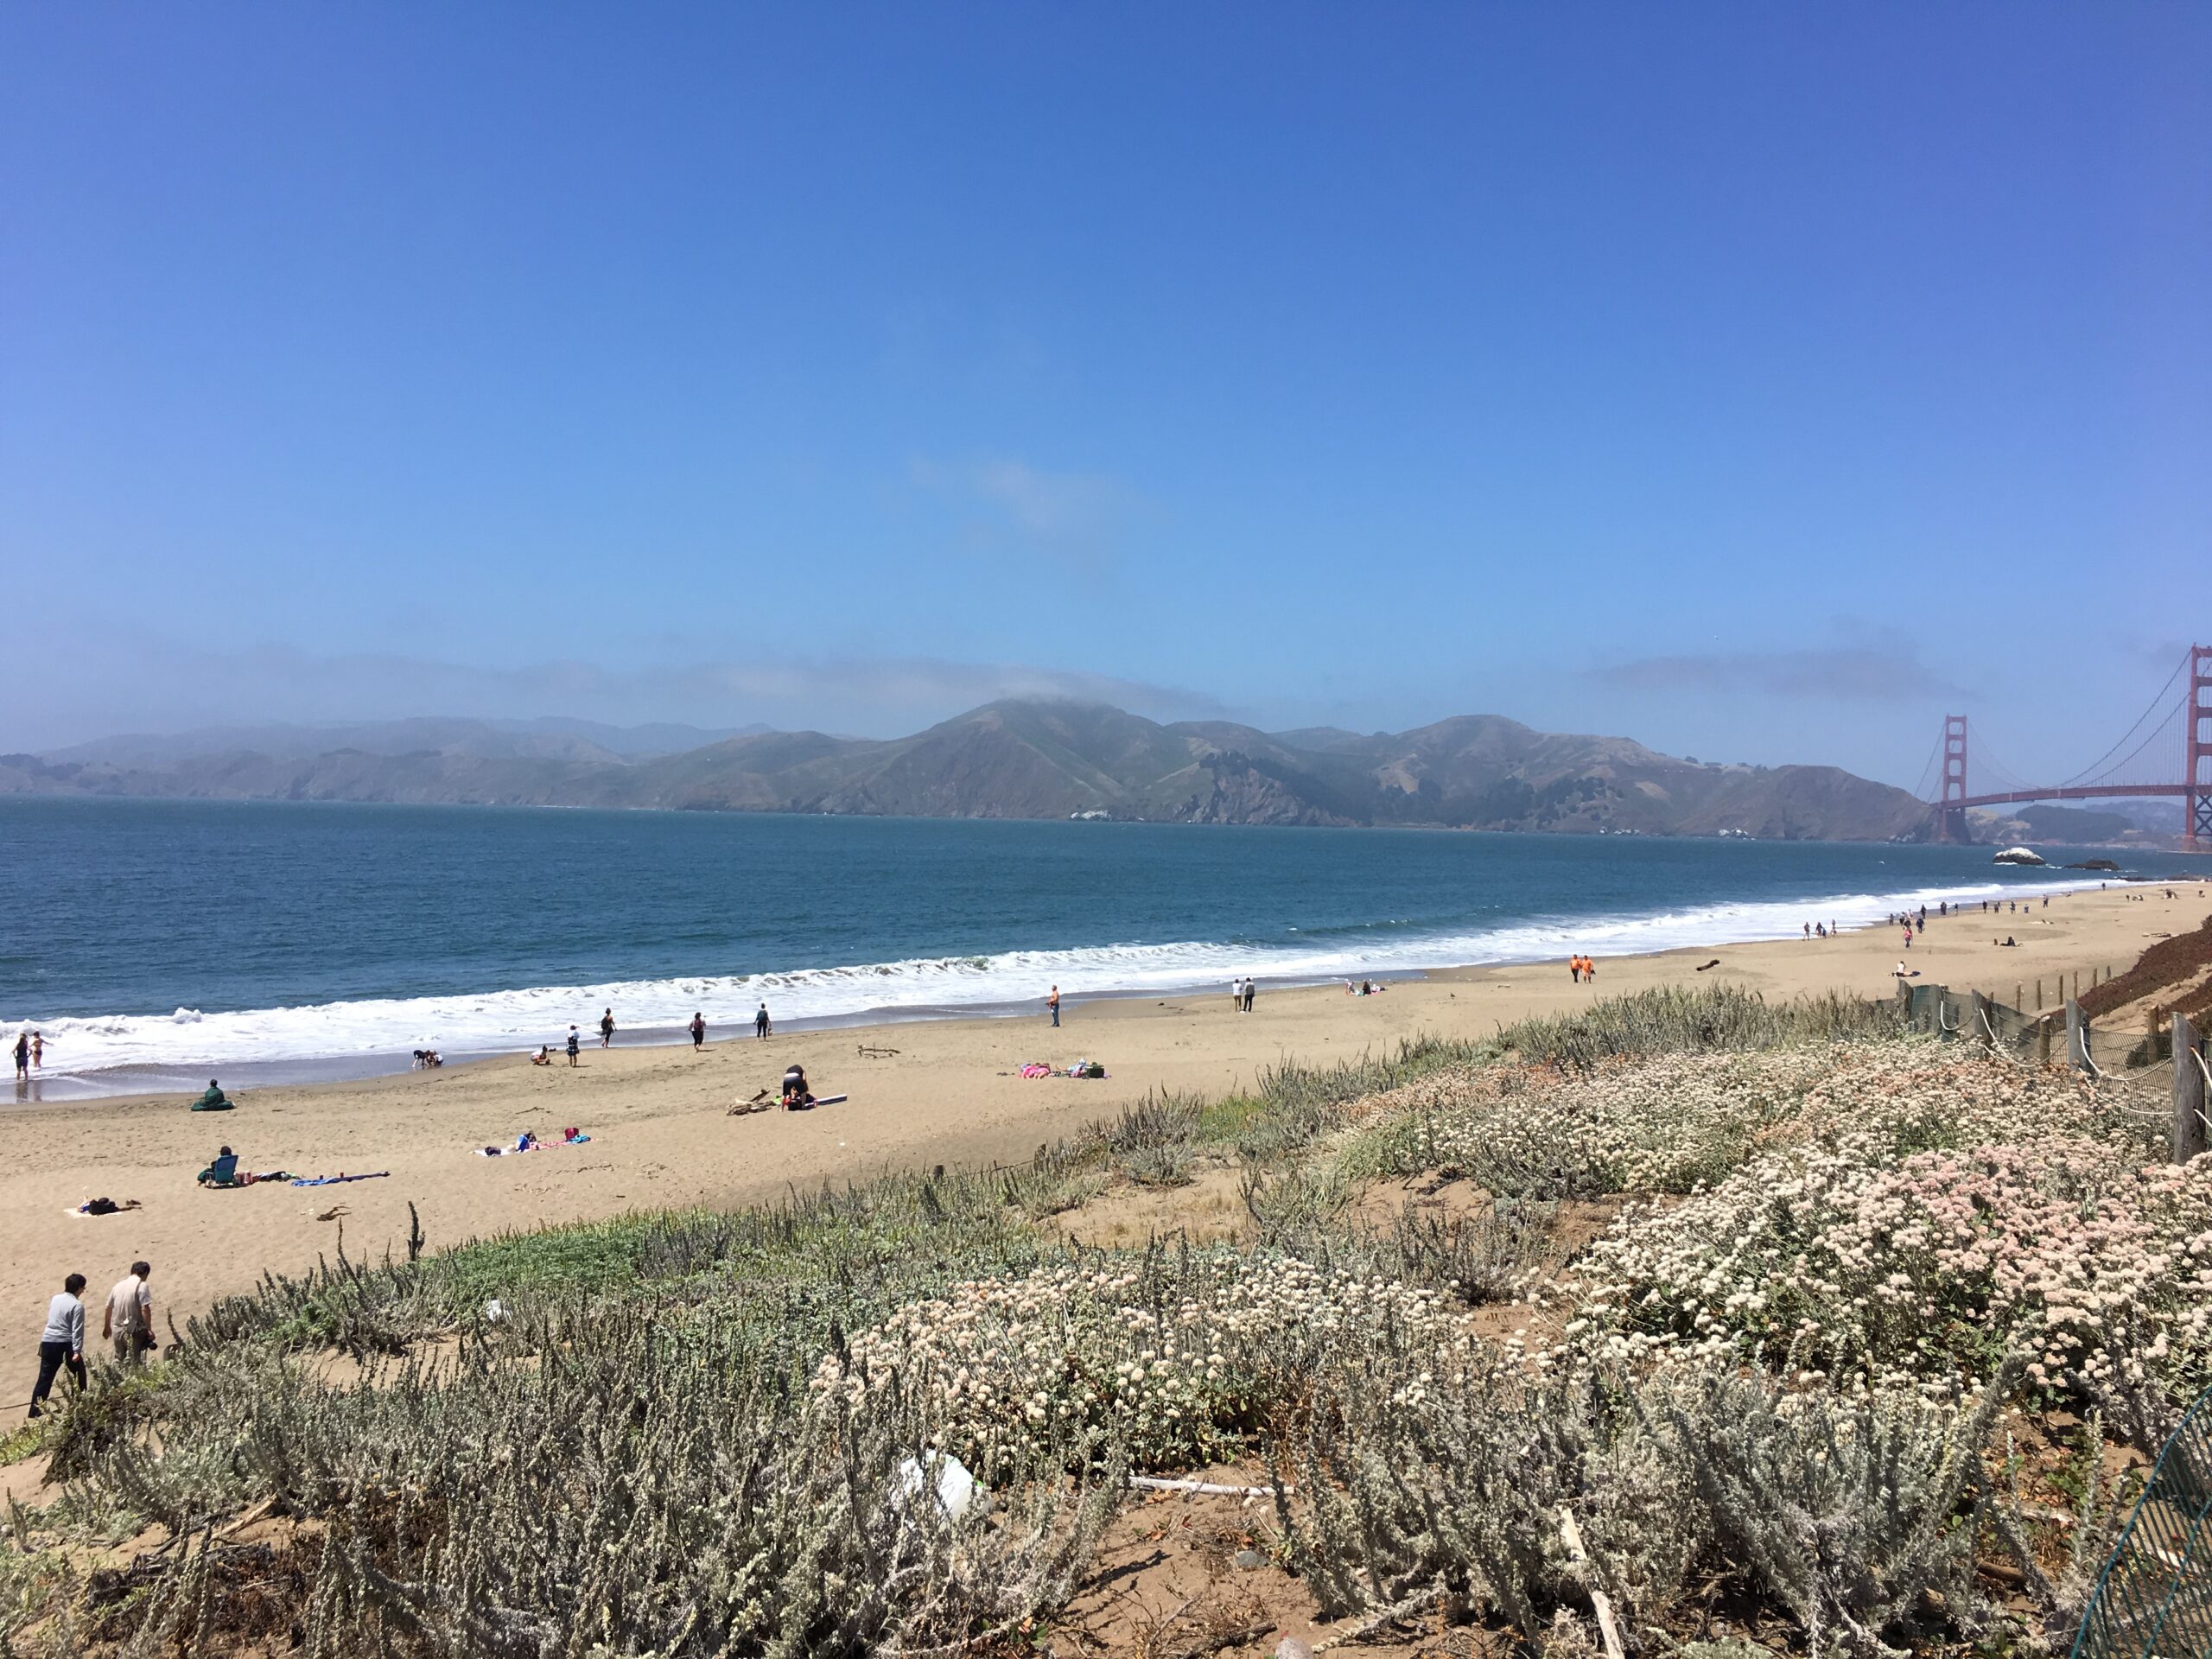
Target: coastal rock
<point>2019,856</point>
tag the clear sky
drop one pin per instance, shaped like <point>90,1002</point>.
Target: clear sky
<point>1760,382</point>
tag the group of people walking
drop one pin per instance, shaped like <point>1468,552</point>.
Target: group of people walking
<point>696,1029</point>
<point>126,1324</point>
<point>1581,970</point>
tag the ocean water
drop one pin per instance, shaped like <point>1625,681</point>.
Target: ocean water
<point>154,942</point>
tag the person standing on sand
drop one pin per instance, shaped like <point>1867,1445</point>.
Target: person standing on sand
<point>760,1023</point>
<point>698,1029</point>
<point>129,1322</point>
<point>573,1044</point>
<point>606,1029</point>
<point>1052,1002</point>
<point>1250,991</point>
<point>62,1342</point>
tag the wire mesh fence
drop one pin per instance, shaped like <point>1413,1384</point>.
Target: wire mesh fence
<point>2154,1598</point>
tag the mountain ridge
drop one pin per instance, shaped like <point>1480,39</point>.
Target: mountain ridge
<point>1012,758</point>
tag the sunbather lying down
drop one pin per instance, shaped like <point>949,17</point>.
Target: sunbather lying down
<point>528,1141</point>
<point>103,1207</point>
<point>225,1172</point>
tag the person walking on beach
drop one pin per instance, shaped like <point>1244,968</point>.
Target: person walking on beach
<point>573,1044</point>
<point>1574,968</point>
<point>606,1029</point>
<point>1589,970</point>
<point>1052,1003</point>
<point>62,1342</point>
<point>129,1322</point>
<point>1250,991</point>
<point>698,1029</point>
<point>760,1023</point>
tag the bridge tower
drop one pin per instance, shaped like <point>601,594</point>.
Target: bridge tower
<point>2197,802</point>
<point>1951,820</point>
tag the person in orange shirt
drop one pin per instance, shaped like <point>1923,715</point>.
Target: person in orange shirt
<point>1589,970</point>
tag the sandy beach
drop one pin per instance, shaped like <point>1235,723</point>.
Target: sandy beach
<point>941,1092</point>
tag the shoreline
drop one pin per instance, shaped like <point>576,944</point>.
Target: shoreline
<point>1718,925</point>
<point>921,1093</point>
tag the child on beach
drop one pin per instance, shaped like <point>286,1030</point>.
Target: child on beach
<point>573,1044</point>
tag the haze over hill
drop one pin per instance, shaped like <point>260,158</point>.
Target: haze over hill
<point>1009,759</point>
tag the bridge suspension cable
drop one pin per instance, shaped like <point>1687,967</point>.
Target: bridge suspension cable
<point>1928,771</point>
<point>2091,771</point>
<point>2149,738</point>
<point>1985,761</point>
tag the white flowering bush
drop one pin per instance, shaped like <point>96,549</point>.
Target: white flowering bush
<point>1660,1125</point>
<point>1912,1220</point>
<point>1172,1356</point>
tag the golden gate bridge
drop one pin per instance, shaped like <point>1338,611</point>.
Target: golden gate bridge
<point>2121,773</point>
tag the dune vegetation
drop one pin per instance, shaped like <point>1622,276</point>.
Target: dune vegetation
<point>1746,1323</point>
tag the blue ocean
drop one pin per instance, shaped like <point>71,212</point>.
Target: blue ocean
<point>153,942</point>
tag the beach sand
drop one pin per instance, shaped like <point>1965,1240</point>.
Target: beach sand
<point>661,1135</point>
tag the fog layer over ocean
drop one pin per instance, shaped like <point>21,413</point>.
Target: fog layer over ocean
<point>154,941</point>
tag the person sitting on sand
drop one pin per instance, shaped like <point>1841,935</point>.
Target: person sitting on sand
<point>214,1100</point>
<point>224,1172</point>
<point>544,1055</point>
<point>796,1095</point>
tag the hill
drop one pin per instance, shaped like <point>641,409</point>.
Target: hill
<point>1010,760</point>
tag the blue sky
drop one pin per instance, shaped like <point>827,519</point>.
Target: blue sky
<point>1757,382</point>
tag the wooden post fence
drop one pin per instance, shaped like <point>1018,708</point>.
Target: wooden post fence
<point>2077,1039</point>
<point>2190,1102</point>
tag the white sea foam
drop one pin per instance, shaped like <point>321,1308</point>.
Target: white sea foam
<point>188,1041</point>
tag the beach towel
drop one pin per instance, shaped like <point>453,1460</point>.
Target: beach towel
<point>1035,1069</point>
<point>338,1180</point>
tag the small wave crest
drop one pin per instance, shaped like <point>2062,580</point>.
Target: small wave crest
<point>489,1022</point>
